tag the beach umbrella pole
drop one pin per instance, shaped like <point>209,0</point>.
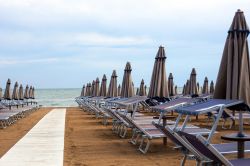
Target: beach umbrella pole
<point>240,134</point>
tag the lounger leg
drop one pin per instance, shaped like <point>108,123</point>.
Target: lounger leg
<point>104,120</point>
<point>231,124</point>
<point>198,163</point>
<point>2,125</point>
<point>135,136</point>
<point>183,161</point>
<point>223,125</point>
<point>121,129</point>
<point>146,141</point>
<point>125,129</point>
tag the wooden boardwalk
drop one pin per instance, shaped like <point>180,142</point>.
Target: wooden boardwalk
<point>43,145</point>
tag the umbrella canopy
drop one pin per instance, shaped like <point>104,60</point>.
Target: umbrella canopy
<point>1,93</point>
<point>103,89</point>
<point>26,93</point>
<point>83,91</point>
<point>20,94</point>
<point>7,93</point>
<point>187,88</point>
<point>211,87</point>
<point>112,91</point>
<point>184,89</point>
<point>93,88</point>
<point>119,90</point>
<point>158,84</point>
<point>193,85</point>
<point>175,90</point>
<point>205,86</point>
<point>97,88</point>
<point>33,93</point>
<point>198,87</point>
<point>133,89</point>
<point>88,89</point>
<point>142,91</point>
<point>171,84</point>
<point>233,80</point>
<point>15,94</point>
<point>30,92</point>
<point>137,91</point>
<point>127,84</point>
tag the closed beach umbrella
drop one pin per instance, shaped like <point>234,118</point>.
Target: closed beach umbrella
<point>170,85</point>
<point>83,91</point>
<point>97,88</point>
<point>175,90</point>
<point>33,92</point>
<point>145,87</point>
<point>187,88</point>
<point>205,86</point>
<point>211,87</point>
<point>198,87</point>
<point>193,85</point>
<point>7,93</point>
<point>26,93</point>
<point>15,94</point>
<point>1,93</point>
<point>88,89</point>
<point>142,91</point>
<point>93,88</point>
<point>137,91</point>
<point>127,85</point>
<point>158,84</point>
<point>30,92</point>
<point>133,89</point>
<point>233,80</point>
<point>112,91</point>
<point>184,89</point>
<point>103,89</point>
<point>20,92</point>
<point>119,90</point>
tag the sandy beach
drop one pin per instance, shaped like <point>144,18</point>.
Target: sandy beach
<point>88,142</point>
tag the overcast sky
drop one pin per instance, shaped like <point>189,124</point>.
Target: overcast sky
<point>67,43</point>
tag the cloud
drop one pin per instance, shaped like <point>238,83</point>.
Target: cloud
<point>123,13</point>
<point>29,39</point>
<point>17,61</point>
<point>93,36</point>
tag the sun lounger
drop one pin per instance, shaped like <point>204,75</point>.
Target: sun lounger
<point>226,115</point>
<point>173,104</point>
<point>8,117</point>
<point>208,153</point>
<point>206,107</point>
<point>144,129</point>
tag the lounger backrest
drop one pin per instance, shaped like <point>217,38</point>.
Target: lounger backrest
<point>168,134</point>
<point>125,118</point>
<point>200,147</point>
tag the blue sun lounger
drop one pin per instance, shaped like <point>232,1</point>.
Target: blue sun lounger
<point>206,153</point>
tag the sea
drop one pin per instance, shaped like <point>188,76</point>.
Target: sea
<point>60,97</point>
<point>57,97</point>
